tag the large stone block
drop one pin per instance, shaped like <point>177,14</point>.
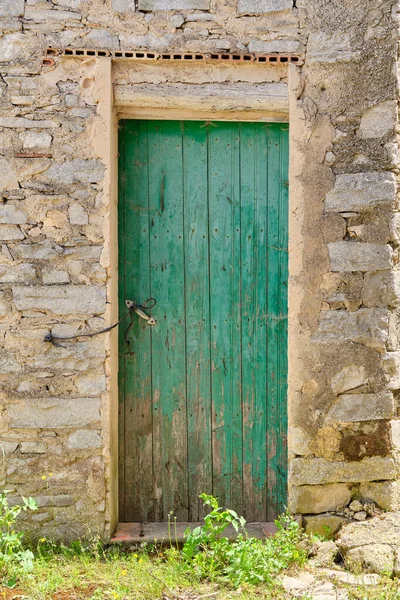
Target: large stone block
<point>8,178</point>
<point>331,47</point>
<point>378,120</point>
<point>318,471</point>
<point>263,6</point>
<point>360,192</point>
<point>23,123</point>
<point>53,413</point>
<point>11,214</point>
<point>349,378</point>
<point>275,46</point>
<point>323,525</point>
<point>11,47</point>
<point>49,15</point>
<point>386,494</point>
<point>10,233</point>
<point>12,8</point>
<point>24,273</point>
<point>376,558</point>
<point>84,439</point>
<point>148,5</point>
<point>315,499</point>
<point>356,256</point>
<point>75,171</point>
<point>391,367</point>
<point>367,326</point>
<point>123,6</point>
<point>61,299</point>
<point>381,289</point>
<point>361,407</point>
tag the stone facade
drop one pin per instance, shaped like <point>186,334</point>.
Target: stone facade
<point>57,232</point>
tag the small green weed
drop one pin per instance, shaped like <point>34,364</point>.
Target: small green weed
<point>13,557</point>
<point>245,560</point>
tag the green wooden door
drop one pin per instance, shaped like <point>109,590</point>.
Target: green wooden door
<point>203,216</point>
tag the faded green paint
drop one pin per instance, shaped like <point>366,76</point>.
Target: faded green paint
<point>203,229</point>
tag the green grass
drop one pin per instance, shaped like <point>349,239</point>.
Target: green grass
<point>121,576</point>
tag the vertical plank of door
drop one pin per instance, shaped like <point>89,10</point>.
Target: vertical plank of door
<point>253,151</point>
<point>137,376</point>
<point>224,234</point>
<point>167,285</point>
<point>197,315</point>
<point>122,310</point>
<point>276,317</point>
<point>282,458</point>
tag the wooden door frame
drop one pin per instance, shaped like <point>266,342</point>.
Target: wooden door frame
<point>110,109</point>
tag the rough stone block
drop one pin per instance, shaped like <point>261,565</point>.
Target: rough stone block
<point>55,277</point>
<point>376,558</point>
<point>59,500</point>
<point>10,233</point>
<point>49,15</point>
<point>32,448</point>
<point>361,407</point>
<point>381,289</point>
<point>101,38</point>
<point>318,471</point>
<point>53,413</point>
<point>386,494</point>
<point>23,123</point>
<point>273,46</point>
<point>391,367</point>
<point>23,273</point>
<point>35,139</point>
<point>123,6</point>
<point>91,383</point>
<point>359,192</point>
<point>298,441</point>
<point>315,499</point>
<point>11,47</point>
<point>148,5</point>
<point>77,215</point>
<point>356,256</point>
<point>263,6</point>
<point>62,299</point>
<point>83,439</point>
<point>12,8</point>
<point>379,120</point>
<point>331,47</point>
<point>395,434</point>
<point>324,525</point>
<point>7,447</point>
<point>349,378</point>
<point>8,178</point>
<point>368,326</point>
<point>75,171</point>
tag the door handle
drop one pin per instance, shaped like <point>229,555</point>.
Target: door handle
<point>140,309</point>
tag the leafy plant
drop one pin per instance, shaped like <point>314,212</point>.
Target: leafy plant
<point>245,560</point>
<point>13,557</point>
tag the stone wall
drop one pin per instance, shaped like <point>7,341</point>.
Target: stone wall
<point>56,269</point>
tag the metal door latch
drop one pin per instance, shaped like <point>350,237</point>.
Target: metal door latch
<point>140,309</point>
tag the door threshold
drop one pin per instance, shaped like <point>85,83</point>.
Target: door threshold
<point>163,533</point>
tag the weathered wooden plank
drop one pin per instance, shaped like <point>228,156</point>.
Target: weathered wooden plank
<point>253,176</point>
<point>122,309</point>
<point>224,233</point>
<point>168,337</point>
<point>277,317</point>
<point>138,413</point>
<point>197,315</point>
